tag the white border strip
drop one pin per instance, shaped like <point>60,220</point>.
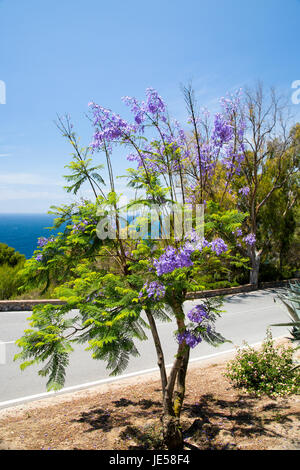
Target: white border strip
<point>120,377</point>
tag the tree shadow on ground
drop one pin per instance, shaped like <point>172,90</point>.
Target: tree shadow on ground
<point>147,437</point>
<point>244,296</point>
<point>144,404</point>
<point>121,413</point>
<point>217,424</point>
<point>232,419</point>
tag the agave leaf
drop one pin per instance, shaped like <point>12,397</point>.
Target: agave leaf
<point>292,312</point>
<point>297,323</point>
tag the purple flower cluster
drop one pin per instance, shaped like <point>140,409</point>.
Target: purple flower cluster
<point>136,108</point>
<point>191,338</point>
<point>110,127</point>
<point>232,159</point>
<point>172,150</point>
<point>153,106</point>
<point>250,239</point>
<point>39,257</point>
<point>198,314</point>
<point>43,241</point>
<point>218,246</point>
<point>238,232</point>
<point>172,259</point>
<point>244,191</point>
<point>223,131</point>
<point>154,290</point>
<point>81,226</point>
<point>228,141</point>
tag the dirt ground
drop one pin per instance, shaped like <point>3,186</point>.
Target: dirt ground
<point>125,416</point>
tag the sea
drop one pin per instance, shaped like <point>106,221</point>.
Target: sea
<point>21,231</point>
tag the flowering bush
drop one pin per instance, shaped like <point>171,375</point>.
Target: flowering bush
<point>268,371</point>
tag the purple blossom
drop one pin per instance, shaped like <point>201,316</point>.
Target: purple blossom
<point>136,108</point>
<point>110,127</point>
<point>43,241</point>
<point>218,246</point>
<point>238,232</point>
<point>225,144</point>
<point>245,191</point>
<point>223,131</point>
<point>39,257</point>
<point>154,290</point>
<point>155,104</point>
<point>250,239</point>
<point>82,225</point>
<point>173,259</point>
<point>198,314</point>
<point>191,338</point>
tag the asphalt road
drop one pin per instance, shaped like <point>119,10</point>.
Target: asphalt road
<point>246,318</point>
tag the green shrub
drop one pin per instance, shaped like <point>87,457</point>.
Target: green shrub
<point>9,280</point>
<point>268,371</point>
<point>9,256</point>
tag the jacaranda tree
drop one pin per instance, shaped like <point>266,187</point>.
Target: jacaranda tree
<point>116,276</point>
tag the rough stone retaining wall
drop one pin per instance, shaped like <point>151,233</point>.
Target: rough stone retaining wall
<point>27,305</point>
<point>238,289</point>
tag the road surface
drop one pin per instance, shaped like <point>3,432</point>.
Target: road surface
<point>246,318</point>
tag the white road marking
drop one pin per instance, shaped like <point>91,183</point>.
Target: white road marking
<point>114,379</point>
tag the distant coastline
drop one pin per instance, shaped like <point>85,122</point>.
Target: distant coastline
<point>21,231</point>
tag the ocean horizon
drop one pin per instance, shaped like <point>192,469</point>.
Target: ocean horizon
<point>21,231</point>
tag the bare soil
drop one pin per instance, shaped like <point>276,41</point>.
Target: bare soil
<point>126,415</point>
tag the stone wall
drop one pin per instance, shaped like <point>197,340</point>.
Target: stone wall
<point>238,289</point>
<point>27,305</point>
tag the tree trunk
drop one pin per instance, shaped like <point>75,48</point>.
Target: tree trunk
<point>179,393</point>
<point>172,433</point>
<point>171,427</point>
<point>255,264</point>
<point>159,352</point>
<point>173,399</point>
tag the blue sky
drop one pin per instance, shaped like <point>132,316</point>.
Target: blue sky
<point>56,56</point>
